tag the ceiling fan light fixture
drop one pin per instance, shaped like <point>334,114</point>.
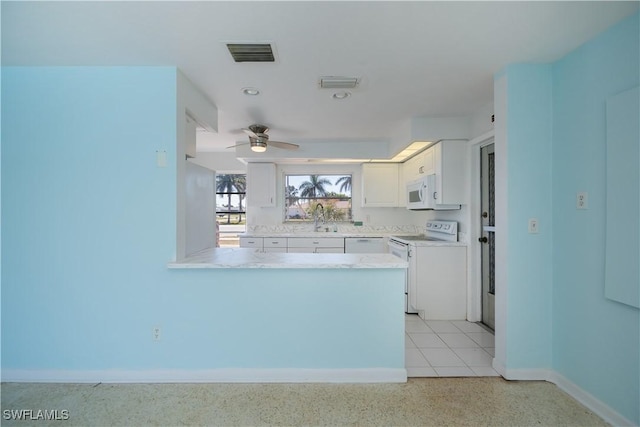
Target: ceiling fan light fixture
<point>258,145</point>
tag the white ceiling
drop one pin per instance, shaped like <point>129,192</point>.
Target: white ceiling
<point>416,58</point>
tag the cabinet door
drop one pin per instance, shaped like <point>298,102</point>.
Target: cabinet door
<point>380,185</point>
<point>281,250</point>
<point>315,242</point>
<point>451,173</point>
<point>190,136</point>
<point>301,250</point>
<point>275,243</point>
<point>261,184</point>
<point>428,161</point>
<point>251,242</point>
<point>441,281</point>
<point>329,250</point>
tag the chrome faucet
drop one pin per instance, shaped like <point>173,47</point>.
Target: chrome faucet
<point>316,216</point>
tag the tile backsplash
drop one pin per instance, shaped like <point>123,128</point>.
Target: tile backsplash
<point>341,228</point>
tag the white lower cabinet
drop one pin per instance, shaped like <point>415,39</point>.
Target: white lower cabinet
<point>441,282</point>
<point>252,242</point>
<point>275,244</point>
<point>329,250</point>
<point>364,245</point>
<point>315,245</point>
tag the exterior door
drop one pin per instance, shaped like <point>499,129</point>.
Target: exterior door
<point>487,239</point>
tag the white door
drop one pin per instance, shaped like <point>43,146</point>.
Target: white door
<point>487,217</point>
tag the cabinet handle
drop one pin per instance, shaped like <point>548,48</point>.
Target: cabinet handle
<point>435,195</point>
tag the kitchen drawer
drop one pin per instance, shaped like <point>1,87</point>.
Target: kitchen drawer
<point>275,242</point>
<point>251,242</point>
<point>274,250</point>
<point>315,242</point>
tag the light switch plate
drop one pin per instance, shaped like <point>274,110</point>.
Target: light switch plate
<point>533,225</point>
<point>582,200</point>
<point>161,158</point>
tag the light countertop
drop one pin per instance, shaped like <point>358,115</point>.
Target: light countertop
<point>251,258</point>
<point>318,234</point>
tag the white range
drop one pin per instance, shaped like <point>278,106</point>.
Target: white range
<point>436,287</point>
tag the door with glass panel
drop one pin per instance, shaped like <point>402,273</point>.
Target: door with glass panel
<point>487,239</point>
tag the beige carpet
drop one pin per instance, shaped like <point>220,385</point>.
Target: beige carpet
<point>419,402</point>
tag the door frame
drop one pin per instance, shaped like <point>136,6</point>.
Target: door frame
<point>474,252</point>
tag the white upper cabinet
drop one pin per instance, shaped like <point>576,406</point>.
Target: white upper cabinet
<point>413,168</point>
<point>261,184</point>
<point>190,136</point>
<point>428,161</point>
<point>380,184</point>
<point>450,167</point>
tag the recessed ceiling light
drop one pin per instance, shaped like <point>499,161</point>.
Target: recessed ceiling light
<point>250,91</point>
<point>341,95</point>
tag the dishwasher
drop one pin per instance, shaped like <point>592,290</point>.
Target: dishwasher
<point>364,245</point>
<point>403,251</point>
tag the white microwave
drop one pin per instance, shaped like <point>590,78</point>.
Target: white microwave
<point>421,193</point>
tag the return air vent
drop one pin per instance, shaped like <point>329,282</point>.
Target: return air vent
<point>251,52</point>
<point>335,82</point>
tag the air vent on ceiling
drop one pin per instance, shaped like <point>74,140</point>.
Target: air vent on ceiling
<point>334,82</point>
<point>251,52</point>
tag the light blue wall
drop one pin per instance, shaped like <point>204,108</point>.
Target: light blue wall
<point>595,340</point>
<point>88,226</point>
<point>529,183</point>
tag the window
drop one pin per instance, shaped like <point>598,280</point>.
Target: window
<point>303,194</point>
<point>230,208</point>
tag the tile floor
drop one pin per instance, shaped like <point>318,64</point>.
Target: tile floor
<point>447,348</point>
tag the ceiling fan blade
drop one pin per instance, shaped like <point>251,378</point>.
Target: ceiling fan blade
<point>237,145</point>
<point>250,132</point>
<point>285,145</point>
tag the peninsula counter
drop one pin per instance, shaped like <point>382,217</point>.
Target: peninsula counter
<point>299,317</point>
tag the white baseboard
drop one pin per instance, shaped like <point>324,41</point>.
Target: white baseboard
<point>592,403</point>
<point>230,375</point>
<point>597,406</point>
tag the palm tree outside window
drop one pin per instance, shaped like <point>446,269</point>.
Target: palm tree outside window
<point>303,193</point>
<point>230,210</point>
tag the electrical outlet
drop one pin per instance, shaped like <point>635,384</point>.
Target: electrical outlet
<point>582,200</point>
<point>533,225</point>
<point>156,333</point>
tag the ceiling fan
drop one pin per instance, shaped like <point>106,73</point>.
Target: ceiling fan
<point>258,139</point>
